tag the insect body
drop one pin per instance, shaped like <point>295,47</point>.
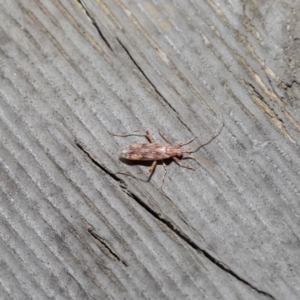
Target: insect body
<point>150,151</point>
<point>155,152</point>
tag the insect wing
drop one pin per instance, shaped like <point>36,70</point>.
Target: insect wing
<point>145,152</point>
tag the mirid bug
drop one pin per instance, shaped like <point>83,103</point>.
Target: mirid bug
<point>155,152</point>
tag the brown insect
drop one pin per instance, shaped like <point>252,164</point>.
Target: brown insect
<point>155,152</point>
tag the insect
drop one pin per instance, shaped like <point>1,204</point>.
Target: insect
<point>154,151</point>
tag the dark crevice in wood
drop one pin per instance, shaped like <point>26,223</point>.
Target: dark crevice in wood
<point>170,225</point>
<point>192,244</point>
<point>150,82</point>
<point>290,85</point>
<point>95,24</point>
<point>143,73</point>
<point>97,163</point>
<point>104,243</point>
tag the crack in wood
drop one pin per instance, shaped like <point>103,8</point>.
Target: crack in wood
<point>175,229</point>
<point>104,243</point>
<point>94,23</point>
<point>192,244</point>
<point>269,112</point>
<point>98,164</point>
<point>151,83</point>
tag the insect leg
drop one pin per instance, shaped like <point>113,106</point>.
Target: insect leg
<point>166,138</point>
<point>182,164</point>
<point>203,160</point>
<point>149,137</point>
<point>165,167</point>
<point>151,169</point>
<point>148,174</point>
<point>144,132</point>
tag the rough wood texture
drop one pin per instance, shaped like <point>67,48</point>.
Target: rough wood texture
<point>73,71</point>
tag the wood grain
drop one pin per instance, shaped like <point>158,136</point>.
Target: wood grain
<point>74,71</point>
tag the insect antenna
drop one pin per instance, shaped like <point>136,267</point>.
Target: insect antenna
<point>206,141</point>
<point>188,142</point>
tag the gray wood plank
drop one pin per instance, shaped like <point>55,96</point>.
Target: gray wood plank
<point>72,73</point>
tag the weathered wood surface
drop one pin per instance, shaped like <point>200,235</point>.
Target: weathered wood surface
<point>73,71</point>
